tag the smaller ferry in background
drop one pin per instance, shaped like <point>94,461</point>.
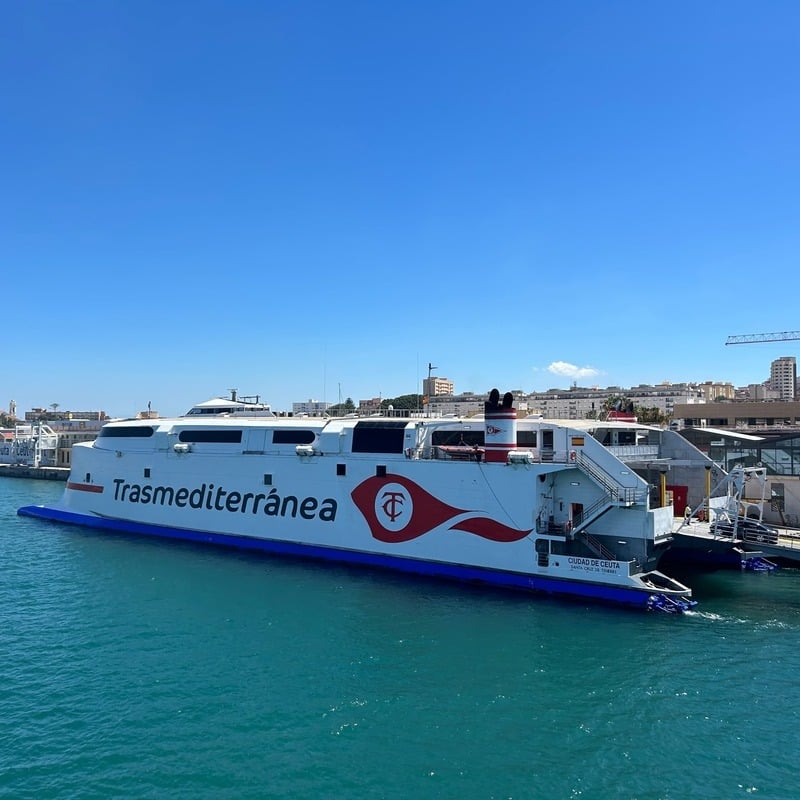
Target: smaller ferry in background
<point>236,406</point>
<point>528,504</point>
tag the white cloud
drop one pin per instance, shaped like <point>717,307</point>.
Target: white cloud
<point>568,370</point>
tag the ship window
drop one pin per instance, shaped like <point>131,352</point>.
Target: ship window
<point>147,472</point>
<point>458,438</point>
<point>380,471</point>
<point>526,438</point>
<point>379,437</point>
<point>341,469</point>
<point>292,437</point>
<point>224,436</point>
<point>126,432</point>
<point>267,479</point>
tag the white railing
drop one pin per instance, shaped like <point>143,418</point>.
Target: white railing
<point>628,495</point>
<point>469,453</point>
<point>634,452</point>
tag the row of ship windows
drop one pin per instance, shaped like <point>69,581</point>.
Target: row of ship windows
<point>213,436</point>
<point>386,437</point>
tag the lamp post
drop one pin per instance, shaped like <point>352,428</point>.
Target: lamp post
<point>428,386</point>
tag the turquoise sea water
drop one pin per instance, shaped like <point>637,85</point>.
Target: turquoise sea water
<point>133,668</point>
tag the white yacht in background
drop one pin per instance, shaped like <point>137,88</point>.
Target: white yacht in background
<point>233,406</point>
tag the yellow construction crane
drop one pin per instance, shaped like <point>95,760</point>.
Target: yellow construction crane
<point>749,338</point>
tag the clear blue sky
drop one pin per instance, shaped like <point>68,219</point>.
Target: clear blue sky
<point>293,198</point>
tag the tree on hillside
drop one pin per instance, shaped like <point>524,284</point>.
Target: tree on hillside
<point>340,409</point>
<point>411,402</point>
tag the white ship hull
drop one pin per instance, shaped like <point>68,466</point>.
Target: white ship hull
<point>508,523</point>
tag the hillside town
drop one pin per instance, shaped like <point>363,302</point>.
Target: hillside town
<point>766,415</point>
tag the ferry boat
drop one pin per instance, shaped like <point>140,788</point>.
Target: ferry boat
<point>526,504</point>
<point>29,445</point>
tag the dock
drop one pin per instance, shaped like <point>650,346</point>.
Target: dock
<point>698,541</point>
<point>36,473</point>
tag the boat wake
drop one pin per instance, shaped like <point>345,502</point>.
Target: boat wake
<point>763,625</point>
<point>714,617</point>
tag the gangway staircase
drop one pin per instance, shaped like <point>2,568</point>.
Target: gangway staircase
<point>597,547</point>
<point>582,520</point>
<point>615,495</point>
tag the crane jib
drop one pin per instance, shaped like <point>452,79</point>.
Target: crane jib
<point>749,338</point>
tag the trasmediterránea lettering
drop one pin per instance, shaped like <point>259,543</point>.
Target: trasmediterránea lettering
<point>219,499</point>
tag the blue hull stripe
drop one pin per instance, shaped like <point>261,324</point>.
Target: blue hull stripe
<point>512,580</point>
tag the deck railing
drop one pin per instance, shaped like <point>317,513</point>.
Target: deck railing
<point>469,453</point>
<point>634,452</point>
<point>597,547</point>
<point>626,495</point>
<point>592,512</point>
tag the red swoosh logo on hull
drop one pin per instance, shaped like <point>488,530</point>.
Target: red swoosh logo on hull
<point>489,529</point>
<point>398,510</point>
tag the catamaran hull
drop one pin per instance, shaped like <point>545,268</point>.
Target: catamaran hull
<point>632,596</point>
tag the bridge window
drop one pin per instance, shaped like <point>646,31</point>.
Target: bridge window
<point>126,432</point>
<point>292,437</point>
<point>458,438</point>
<point>379,437</point>
<point>216,436</point>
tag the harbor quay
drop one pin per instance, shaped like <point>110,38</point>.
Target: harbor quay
<point>36,473</point>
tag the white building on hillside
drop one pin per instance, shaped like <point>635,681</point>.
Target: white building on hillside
<point>311,408</point>
<point>783,377</point>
